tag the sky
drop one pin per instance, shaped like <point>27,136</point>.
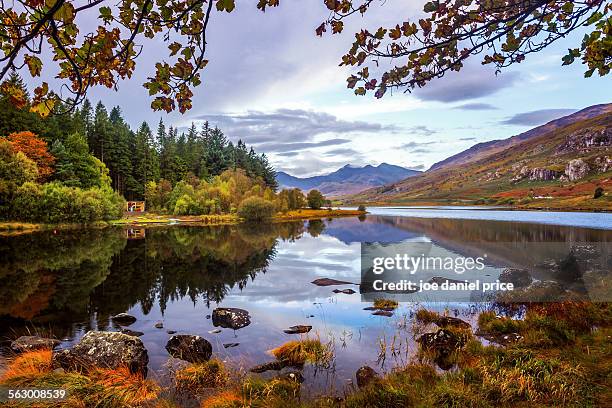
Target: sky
<point>277,86</point>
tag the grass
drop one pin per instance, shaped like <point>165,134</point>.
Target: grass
<point>308,213</point>
<point>385,304</point>
<point>489,322</point>
<point>298,352</point>
<point>197,377</point>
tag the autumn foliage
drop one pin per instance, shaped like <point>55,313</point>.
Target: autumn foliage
<point>35,149</point>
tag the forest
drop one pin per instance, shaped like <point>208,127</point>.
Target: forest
<point>81,166</point>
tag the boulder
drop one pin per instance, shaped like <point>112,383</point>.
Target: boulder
<point>299,329</point>
<point>123,319</point>
<point>272,365</point>
<point>29,343</point>
<point>443,341</point>
<point>230,318</point>
<point>132,332</point>
<point>449,321</point>
<point>105,350</point>
<point>194,349</point>
<point>384,313</point>
<point>518,277</point>
<point>365,375</point>
<point>576,169</point>
<point>159,325</point>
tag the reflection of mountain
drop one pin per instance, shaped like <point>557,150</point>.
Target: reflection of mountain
<point>373,229</point>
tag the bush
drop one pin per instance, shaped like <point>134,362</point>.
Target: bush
<point>255,209</point>
<point>361,207</point>
<point>598,192</point>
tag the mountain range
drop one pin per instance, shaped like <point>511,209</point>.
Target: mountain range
<point>348,179</point>
<point>557,165</point>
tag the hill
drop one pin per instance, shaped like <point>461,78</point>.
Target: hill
<point>559,165</point>
<point>482,150</point>
<point>348,179</point>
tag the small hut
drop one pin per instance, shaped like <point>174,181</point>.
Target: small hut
<point>135,206</point>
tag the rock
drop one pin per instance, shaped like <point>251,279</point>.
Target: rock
<point>518,277</point>
<point>586,139</point>
<point>104,349</point>
<point>132,332</point>
<point>230,318</point>
<point>365,375</point>
<point>603,164</point>
<point>385,313</point>
<point>123,319</point>
<point>159,325</point>
<point>329,282</point>
<point>208,316</point>
<point>231,345</point>
<point>292,376</point>
<point>194,349</point>
<point>443,341</point>
<point>29,343</point>
<point>171,331</point>
<point>576,169</point>
<point>440,280</point>
<point>370,308</point>
<point>536,174</point>
<point>299,329</point>
<point>272,365</point>
<point>215,331</point>
<point>345,291</point>
<point>504,339</point>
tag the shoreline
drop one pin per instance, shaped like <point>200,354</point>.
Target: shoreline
<point>484,206</point>
<point>11,228</point>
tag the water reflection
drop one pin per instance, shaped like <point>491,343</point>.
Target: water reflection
<point>70,282</point>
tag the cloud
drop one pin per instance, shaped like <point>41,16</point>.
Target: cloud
<point>467,139</point>
<point>421,130</point>
<point>537,117</point>
<point>418,167</point>
<point>275,147</point>
<point>466,85</point>
<point>413,145</point>
<point>476,106</point>
<point>342,152</point>
<point>288,154</point>
<point>287,125</point>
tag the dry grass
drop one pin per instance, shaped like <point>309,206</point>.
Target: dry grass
<point>307,213</point>
<point>197,377</point>
<point>298,352</point>
<point>385,304</point>
<point>26,366</point>
<point>225,399</point>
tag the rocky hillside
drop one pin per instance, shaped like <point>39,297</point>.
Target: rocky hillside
<point>347,180</point>
<point>482,150</point>
<point>558,169</point>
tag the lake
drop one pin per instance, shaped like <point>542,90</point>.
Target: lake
<point>66,283</point>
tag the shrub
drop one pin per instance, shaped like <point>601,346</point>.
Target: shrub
<point>598,192</point>
<point>255,209</point>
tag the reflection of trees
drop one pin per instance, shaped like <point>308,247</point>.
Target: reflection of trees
<point>48,277</point>
<point>54,272</point>
<point>192,262</point>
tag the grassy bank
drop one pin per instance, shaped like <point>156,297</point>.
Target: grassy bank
<point>562,358</point>
<point>149,219</point>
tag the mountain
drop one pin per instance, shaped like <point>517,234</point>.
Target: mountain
<point>348,179</point>
<point>481,150</point>
<point>558,165</point>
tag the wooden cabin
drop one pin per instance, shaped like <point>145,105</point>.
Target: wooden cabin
<point>135,206</point>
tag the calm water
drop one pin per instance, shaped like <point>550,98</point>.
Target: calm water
<point>67,283</point>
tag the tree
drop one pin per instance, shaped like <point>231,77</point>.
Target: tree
<point>315,199</point>
<point>255,209</point>
<point>35,149</point>
<point>451,32</point>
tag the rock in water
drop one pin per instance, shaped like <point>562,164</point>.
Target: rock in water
<point>194,349</point>
<point>29,343</point>
<point>446,321</point>
<point>106,350</point>
<point>345,291</point>
<point>385,313</point>
<point>123,319</point>
<point>518,277</point>
<point>329,282</point>
<point>159,325</point>
<point>132,332</point>
<point>272,365</point>
<point>231,345</point>
<point>365,375</point>
<point>299,329</point>
<point>230,318</point>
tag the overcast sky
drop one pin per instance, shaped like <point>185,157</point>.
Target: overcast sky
<point>276,85</point>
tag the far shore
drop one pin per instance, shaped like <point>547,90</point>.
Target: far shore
<point>149,219</point>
